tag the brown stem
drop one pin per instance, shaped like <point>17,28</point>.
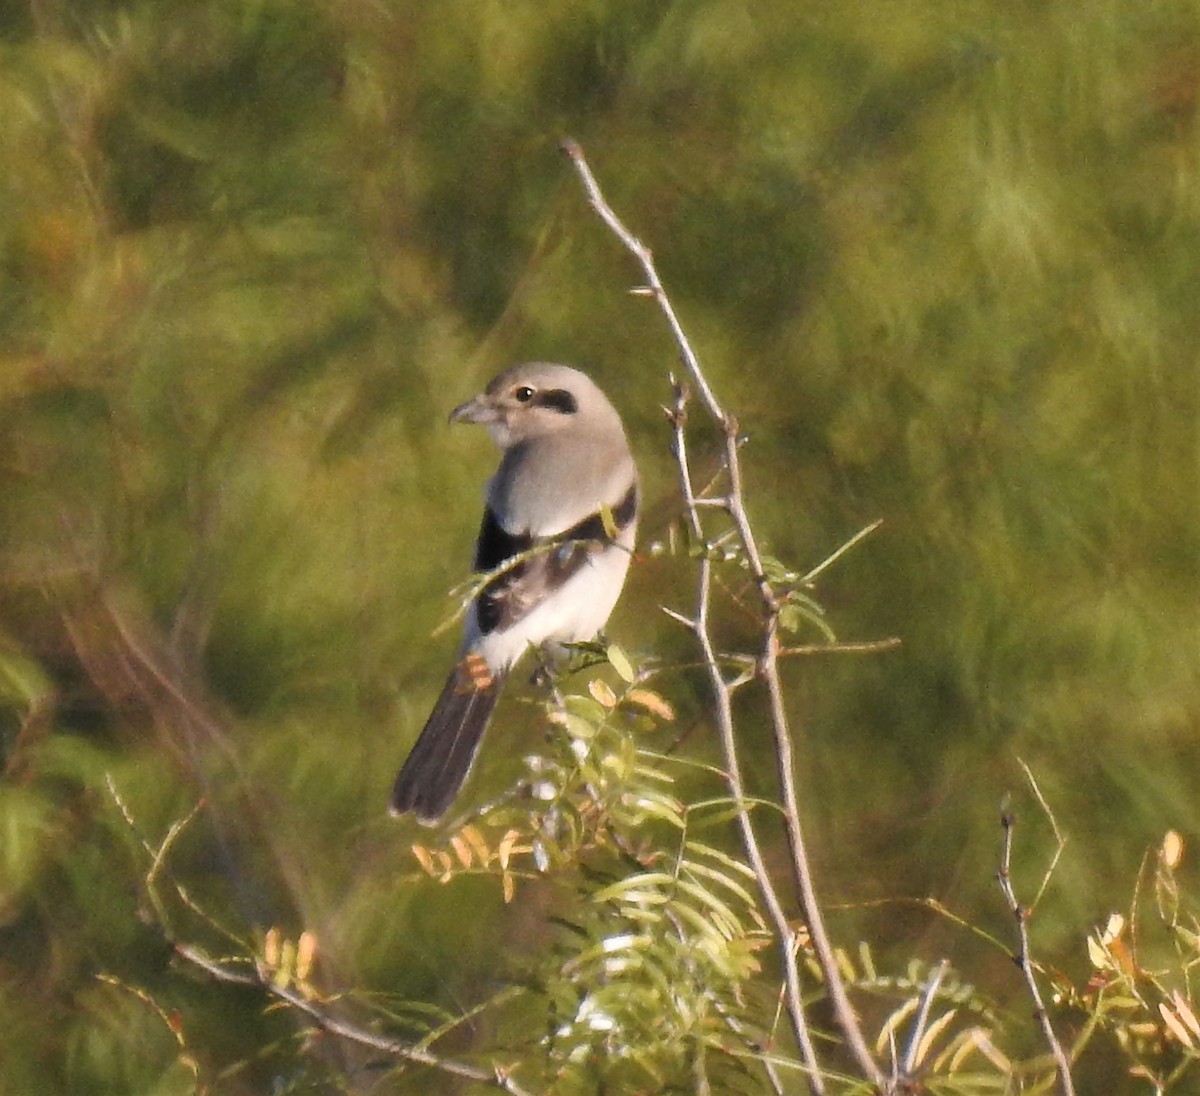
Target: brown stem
<point>1024,960</point>
<point>734,505</point>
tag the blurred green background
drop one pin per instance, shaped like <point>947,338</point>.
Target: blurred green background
<point>941,259</point>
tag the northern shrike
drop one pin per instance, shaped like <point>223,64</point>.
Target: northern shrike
<point>562,507</point>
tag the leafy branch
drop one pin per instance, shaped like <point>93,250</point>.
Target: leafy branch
<point>281,970</point>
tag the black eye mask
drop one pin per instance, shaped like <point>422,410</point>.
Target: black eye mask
<point>557,399</point>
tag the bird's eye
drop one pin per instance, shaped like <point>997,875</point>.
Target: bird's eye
<point>524,394</point>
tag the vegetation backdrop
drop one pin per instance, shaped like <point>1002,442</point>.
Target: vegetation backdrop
<point>941,259</point>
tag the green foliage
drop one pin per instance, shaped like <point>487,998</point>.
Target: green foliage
<point>652,976</point>
<point>653,955</point>
<point>940,258</point>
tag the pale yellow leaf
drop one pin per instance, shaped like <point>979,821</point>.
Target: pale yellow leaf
<point>1183,1008</point>
<point>423,858</point>
<point>619,661</point>
<point>887,1033</point>
<point>1173,1025</point>
<point>271,947</point>
<point>652,702</point>
<point>608,521</point>
<point>306,953</point>
<point>462,850</point>
<point>602,694</point>
<point>931,1034</point>
<point>505,848</point>
<point>981,1041</point>
<point>287,963</point>
<point>477,842</point>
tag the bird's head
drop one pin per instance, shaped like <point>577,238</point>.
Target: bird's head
<point>535,400</point>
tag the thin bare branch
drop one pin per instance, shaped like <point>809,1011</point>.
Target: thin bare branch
<point>1060,842</point>
<point>343,1029</point>
<point>837,553</point>
<point>653,287</point>
<point>723,696</point>
<point>679,618</point>
<point>867,647</point>
<point>733,504</point>
<point>1024,960</point>
<point>186,1058</point>
<point>739,1030</point>
<point>243,971</point>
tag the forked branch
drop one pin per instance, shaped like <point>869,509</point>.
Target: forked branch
<point>732,503</point>
<point>246,970</point>
<point>1021,915</point>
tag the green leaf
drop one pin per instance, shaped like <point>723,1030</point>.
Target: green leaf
<point>699,848</point>
<point>721,878</point>
<point>640,884</point>
<point>621,662</point>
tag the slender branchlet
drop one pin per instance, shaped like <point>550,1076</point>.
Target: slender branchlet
<point>732,503</point>
<point>1023,958</point>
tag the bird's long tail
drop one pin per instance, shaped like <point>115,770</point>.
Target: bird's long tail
<point>441,758</point>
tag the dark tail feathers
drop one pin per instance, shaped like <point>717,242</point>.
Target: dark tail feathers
<point>439,762</point>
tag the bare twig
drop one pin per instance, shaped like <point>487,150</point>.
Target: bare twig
<point>158,856</point>
<point>246,972</point>
<point>1060,841</point>
<point>833,557</point>
<point>1024,960</point>
<point>723,695</point>
<point>739,1030</point>
<point>343,1029</point>
<point>186,1058</point>
<point>868,647</point>
<point>733,504</point>
<point>653,287</point>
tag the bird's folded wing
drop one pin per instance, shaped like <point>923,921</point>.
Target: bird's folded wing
<point>547,564</point>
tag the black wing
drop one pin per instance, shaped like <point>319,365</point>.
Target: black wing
<point>524,585</point>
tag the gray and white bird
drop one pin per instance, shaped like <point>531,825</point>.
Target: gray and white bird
<point>562,505</point>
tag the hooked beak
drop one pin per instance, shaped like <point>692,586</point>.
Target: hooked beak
<point>477,410</point>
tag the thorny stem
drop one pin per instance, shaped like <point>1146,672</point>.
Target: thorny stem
<point>653,287</point>
<point>723,694</point>
<point>1024,960</point>
<point>734,506</point>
